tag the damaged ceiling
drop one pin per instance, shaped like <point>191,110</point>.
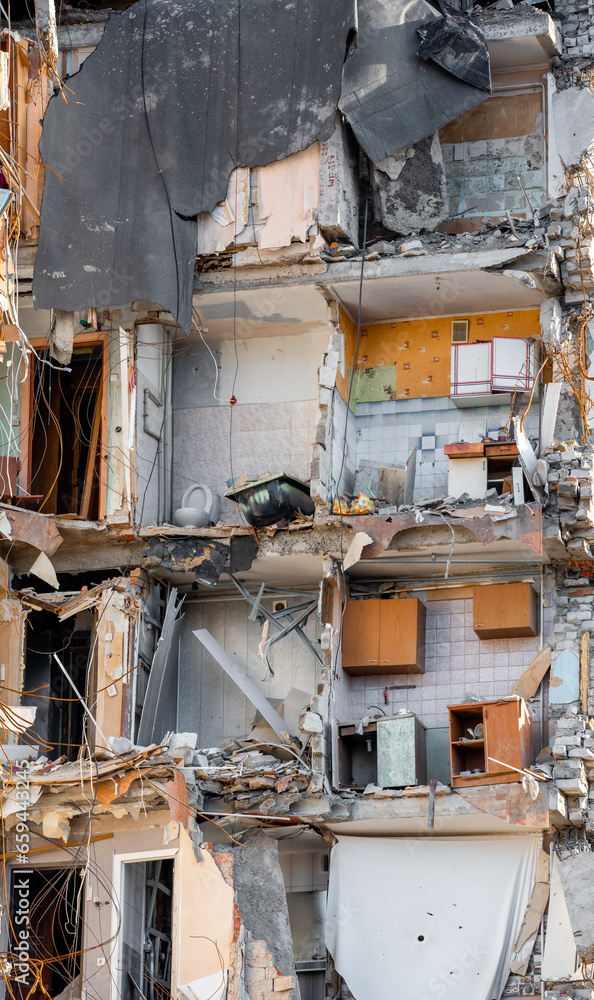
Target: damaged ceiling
<point>396,286</point>
<point>138,115</point>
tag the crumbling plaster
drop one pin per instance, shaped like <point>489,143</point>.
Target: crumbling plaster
<point>261,899</point>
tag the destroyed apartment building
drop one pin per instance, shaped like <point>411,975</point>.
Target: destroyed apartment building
<point>297,514</point>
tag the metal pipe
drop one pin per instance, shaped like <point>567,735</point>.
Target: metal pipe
<point>80,698</point>
<point>441,559</point>
<point>412,584</point>
<point>276,595</point>
<point>168,431</point>
<point>277,819</point>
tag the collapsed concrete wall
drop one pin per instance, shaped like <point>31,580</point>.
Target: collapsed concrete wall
<point>262,904</point>
<point>410,188</point>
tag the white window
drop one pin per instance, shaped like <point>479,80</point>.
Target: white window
<point>512,364</point>
<point>471,369</point>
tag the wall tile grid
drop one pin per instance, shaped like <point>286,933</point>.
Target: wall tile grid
<point>485,151</point>
<point>266,437</point>
<point>456,662</point>
<point>475,189</point>
<point>388,432</point>
<point>351,448</point>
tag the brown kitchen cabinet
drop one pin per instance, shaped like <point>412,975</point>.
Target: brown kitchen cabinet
<point>384,637</point>
<point>504,611</point>
<point>507,740</point>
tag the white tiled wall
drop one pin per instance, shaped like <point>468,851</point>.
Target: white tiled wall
<point>264,438</point>
<point>482,175</point>
<point>388,432</point>
<point>345,471</point>
<point>456,662</point>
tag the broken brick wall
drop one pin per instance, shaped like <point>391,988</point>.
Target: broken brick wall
<point>262,953</point>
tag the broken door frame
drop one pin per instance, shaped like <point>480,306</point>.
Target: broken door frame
<point>117,921</point>
<point>85,339</point>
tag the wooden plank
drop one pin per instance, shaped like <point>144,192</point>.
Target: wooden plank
<point>450,594</point>
<point>352,730</point>
<point>125,417</point>
<point>584,671</point>
<point>528,684</point>
<point>92,454</point>
<point>59,847</point>
<point>463,449</point>
<point>495,118</point>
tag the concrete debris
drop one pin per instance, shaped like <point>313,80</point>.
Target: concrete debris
<point>410,189</point>
<point>62,336</point>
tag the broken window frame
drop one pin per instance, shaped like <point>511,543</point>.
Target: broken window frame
<point>117,916</point>
<point>85,339</point>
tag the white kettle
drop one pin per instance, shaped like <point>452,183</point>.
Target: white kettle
<point>200,507</point>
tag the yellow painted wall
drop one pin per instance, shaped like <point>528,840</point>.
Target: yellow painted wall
<point>421,348</point>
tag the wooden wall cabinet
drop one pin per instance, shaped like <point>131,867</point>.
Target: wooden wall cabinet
<point>507,740</point>
<point>384,637</point>
<point>504,611</point>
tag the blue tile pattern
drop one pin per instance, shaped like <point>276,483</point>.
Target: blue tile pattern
<point>388,432</point>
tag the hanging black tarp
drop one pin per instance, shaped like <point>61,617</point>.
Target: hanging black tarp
<point>456,45</point>
<point>179,93</point>
<point>174,97</point>
<point>391,97</point>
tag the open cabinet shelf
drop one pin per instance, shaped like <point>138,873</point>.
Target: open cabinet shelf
<point>507,741</point>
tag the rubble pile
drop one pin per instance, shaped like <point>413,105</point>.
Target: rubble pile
<point>571,482</point>
<point>553,227</point>
<point>570,763</point>
<point>252,778</point>
<point>567,992</point>
<point>505,233</point>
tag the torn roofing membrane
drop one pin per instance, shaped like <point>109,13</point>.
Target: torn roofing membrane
<point>441,42</point>
<point>178,94</point>
<point>391,97</point>
<point>191,88</point>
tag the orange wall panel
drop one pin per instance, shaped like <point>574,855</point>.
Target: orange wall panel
<point>495,118</point>
<point>421,348</point>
